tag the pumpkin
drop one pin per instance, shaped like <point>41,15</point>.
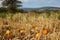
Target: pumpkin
<point>37,35</point>
<point>36,28</point>
<point>8,32</point>
<point>45,32</point>
<point>22,32</point>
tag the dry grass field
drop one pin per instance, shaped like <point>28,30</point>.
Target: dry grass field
<point>30,26</point>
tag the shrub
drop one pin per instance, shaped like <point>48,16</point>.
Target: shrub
<point>59,17</point>
<point>3,15</point>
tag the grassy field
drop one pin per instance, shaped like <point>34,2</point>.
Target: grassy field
<point>30,26</point>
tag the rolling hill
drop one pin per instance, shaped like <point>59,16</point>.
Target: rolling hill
<point>43,9</point>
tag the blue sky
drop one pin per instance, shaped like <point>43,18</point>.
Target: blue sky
<point>39,3</point>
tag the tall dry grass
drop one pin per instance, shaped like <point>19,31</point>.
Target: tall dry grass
<point>30,24</point>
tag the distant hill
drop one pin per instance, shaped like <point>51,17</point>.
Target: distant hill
<point>43,9</point>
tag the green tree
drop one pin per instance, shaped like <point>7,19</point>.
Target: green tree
<point>11,5</point>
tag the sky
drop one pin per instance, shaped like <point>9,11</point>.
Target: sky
<point>39,3</point>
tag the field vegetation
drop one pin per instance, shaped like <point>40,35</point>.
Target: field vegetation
<point>19,24</point>
<point>30,26</point>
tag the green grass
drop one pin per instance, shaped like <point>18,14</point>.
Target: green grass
<point>3,15</point>
<point>59,17</point>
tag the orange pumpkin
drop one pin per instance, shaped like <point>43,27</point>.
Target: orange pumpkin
<point>37,35</point>
<point>36,28</point>
<point>8,32</point>
<point>45,32</point>
<point>22,32</point>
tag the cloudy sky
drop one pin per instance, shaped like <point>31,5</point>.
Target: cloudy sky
<point>40,3</point>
